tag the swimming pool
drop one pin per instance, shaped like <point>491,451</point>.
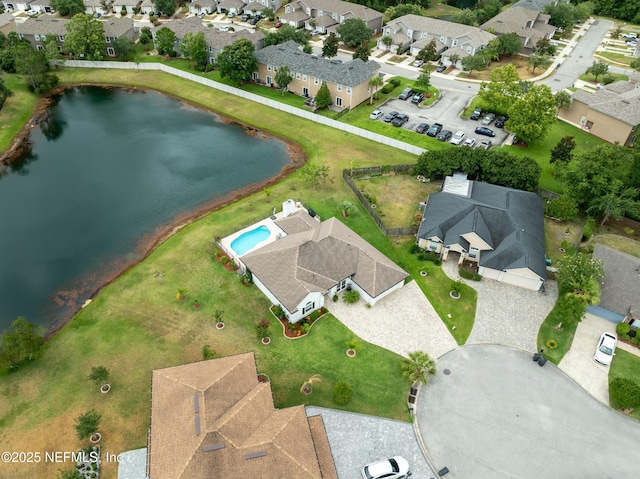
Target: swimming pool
<point>250,239</point>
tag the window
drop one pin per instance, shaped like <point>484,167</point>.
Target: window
<point>268,68</point>
<point>60,48</point>
<point>454,43</point>
<point>308,11</point>
<point>109,39</point>
<point>433,245</point>
<point>304,77</point>
<point>111,52</point>
<point>37,37</point>
<point>297,76</point>
<point>43,38</point>
<point>20,36</point>
<point>269,80</point>
<point>39,47</point>
<point>473,253</point>
<point>210,49</point>
<point>310,306</point>
<point>442,39</point>
<point>348,90</point>
<point>338,101</point>
<point>339,87</point>
<point>316,81</point>
<point>61,38</point>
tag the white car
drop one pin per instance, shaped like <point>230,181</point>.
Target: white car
<point>376,114</point>
<point>470,142</point>
<point>394,468</point>
<point>606,348</point>
<point>418,63</point>
<point>457,138</point>
<point>224,28</point>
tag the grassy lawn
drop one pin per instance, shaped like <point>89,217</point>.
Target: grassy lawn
<point>621,243</point>
<point>556,237</point>
<point>626,365</point>
<point>592,79</point>
<point>136,321</point>
<point>16,110</point>
<point>439,8</point>
<point>618,58</point>
<point>564,337</point>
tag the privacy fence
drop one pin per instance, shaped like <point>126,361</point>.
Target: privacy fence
<point>401,145</point>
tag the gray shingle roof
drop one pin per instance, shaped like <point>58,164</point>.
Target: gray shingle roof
<point>620,100</point>
<point>116,27</point>
<point>515,20</point>
<point>537,5</point>
<point>351,74</point>
<point>511,221</point>
<point>341,8</point>
<point>621,289</point>
<point>43,25</point>
<point>6,19</point>
<point>435,27</point>
<point>315,256</point>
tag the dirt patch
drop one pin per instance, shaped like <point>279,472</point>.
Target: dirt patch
<point>520,62</point>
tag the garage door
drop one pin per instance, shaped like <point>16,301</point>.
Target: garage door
<point>522,281</point>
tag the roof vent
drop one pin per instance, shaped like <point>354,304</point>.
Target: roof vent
<point>213,447</point>
<point>253,455</point>
<point>196,403</point>
<point>197,425</point>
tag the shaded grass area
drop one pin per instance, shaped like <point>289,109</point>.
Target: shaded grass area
<point>588,77</point>
<point>621,243</point>
<point>559,315</point>
<point>17,109</point>
<point>556,237</point>
<point>619,58</point>
<point>626,365</point>
<point>135,324</point>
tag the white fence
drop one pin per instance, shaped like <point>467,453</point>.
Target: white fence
<point>385,140</point>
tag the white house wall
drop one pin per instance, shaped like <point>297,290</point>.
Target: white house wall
<point>476,241</point>
<point>395,287</point>
<point>522,277</point>
<point>316,297</point>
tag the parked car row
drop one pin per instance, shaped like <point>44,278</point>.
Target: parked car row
<point>393,117</point>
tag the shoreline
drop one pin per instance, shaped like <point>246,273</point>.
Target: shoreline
<point>98,280</point>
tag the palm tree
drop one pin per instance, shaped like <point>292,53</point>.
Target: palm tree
<point>387,40</point>
<point>307,385</point>
<point>375,82</point>
<point>418,367</point>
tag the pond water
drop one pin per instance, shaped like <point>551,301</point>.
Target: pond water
<point>107,169</point>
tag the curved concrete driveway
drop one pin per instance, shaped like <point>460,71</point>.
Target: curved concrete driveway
<point>499,415</point>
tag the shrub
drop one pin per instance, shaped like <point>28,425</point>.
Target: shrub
<point>414,248</point>
<point>395,82</point>
<point>262,328</point>
<point>305,328</point>
<point>470,275</point>
<point>388,88</point>
<point>563,207</point>
<point>622,329</point>
<point>457,286</point>
<point>224,259</point>
<point>208,68</point>
<point>314,315</point>
<point>624,393</point>
<point>635,340</point>
<point>342,393</point>
<point>551,344</point>
<point>207,352</point>
<point>278,312</point>
<point>351,297</point>
<point>335,298</point>
<point>589,228</point>
<point>626,337</point>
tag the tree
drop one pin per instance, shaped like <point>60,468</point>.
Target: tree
<point>315,173</point>
<point>518,172</point>
<point>165,7</point>
<point>87,424</point>
<point>563,208</point>
<point>145,37</point>
<point>561,15</point>
<point>124,48</point>
<point>330,46</point>
<point>454,59</point>
<point>165,39</point>
<point>501,90</point>
<point>615,204</point>
<point>362,52</point>
<point>307,386</point>
<point>68,7</point>
<point>598,68</point>
<point>490,9</point>
<point>269,13</point>
<point>99,375</point>
<point>616,32</point>
<point>424,80</point>
<point>563,100</point>
<point>635,64</point>
<point>375,82</point>
<point>21,341</point>
<point>474,62</point>
<point>538,61</point>
<point>354,32</point>
<point>466,16</point>
<point>418,367</point>
<point>286,33</point>
<point>85,37</point>
<point>579,276</point>
<point>544,47</point>
<point>51,51</point>
<point>34,65</point>
<point>387,41</point>
<point>283,78</point>
<point>402,9</point>
<point>323,97</point>
<point>237,61</point>
<point>532,115</point>
<point>194,46</point>
<point>561,154</point>
<point>509,44</point>
<point>428,53</point>
<point>5,92</point>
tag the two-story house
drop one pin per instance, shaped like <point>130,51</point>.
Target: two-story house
<point>215,39</point>
<point>348,83</point>
<point>97,6</point>
<point>239,6</point>
<point>530,25</point>
<point>415,32</point>
<point>324,16</point>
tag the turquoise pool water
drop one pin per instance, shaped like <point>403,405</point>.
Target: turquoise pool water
<point>249,239</point>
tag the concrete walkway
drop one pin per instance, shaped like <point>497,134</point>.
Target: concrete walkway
<point>507,314</point>
<point>402,322</point>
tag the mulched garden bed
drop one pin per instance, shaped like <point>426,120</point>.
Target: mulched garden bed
<point>295,330</point>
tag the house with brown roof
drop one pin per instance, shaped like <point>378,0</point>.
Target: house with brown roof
<point>325,16</point>
<point>312,260</point>
<point>415,32</point>
<point>348,82</point>
<point>215,39</point>
<point>611,113</point>
<point>215,419</point>
<point>7,23</point>
<point>531,26</point>
<point>96,6</point>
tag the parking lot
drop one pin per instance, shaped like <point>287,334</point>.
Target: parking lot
<point>446,111</point>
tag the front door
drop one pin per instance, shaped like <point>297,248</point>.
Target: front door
<point>341,285</point>
<point>305,92</point>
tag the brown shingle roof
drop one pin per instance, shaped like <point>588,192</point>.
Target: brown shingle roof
<point>317,258</point>
<point>237,419</point>
<point>44,25</point>
<point>620,100</point>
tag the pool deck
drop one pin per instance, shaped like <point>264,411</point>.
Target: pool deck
<point>274,230</point>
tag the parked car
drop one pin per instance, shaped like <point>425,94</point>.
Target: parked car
<point>445,135</point>
<point>457,138</point>
<point>417,98</point>
<point>477,113</point>
<point>501,120</point>
<point>245,17</point>
<point>376,114</point>
<point>278,24</point>
<point>231,14</point>
<point>393,468</point>
<point>406,93</point>
<point>634,325</point>
<point>400,120</point>
<point>337,61</point>
<point>484,144</point>
<point>488,119</point>
<point>441,68</point>
<point>200,14</point>
<point>224,28</point>
<point>434,130</point>
<point>255,20</point>
<point>390,116</point>
<point>606,348</point>
<point>422,128</point>
<point>97,15</point>
<point>483,130</point>
<point>470,142</point>
<point>418,63</point>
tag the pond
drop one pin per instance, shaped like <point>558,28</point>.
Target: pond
<point>109,169</point>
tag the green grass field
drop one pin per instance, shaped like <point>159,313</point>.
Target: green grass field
<point>626,365</point>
